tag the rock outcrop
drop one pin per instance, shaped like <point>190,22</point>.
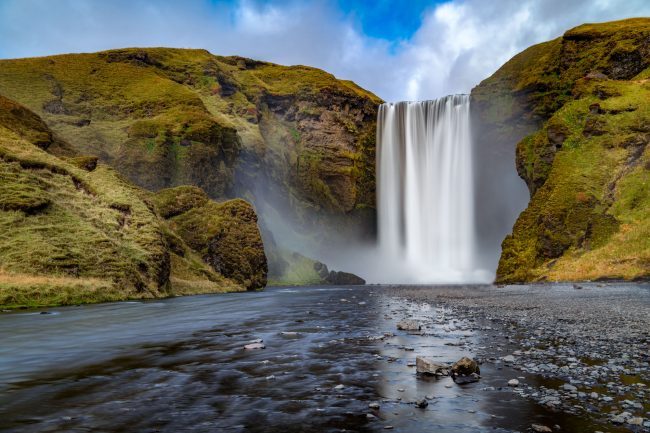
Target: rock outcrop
<point>75,231</point>
<point>225,234</point>
<point>295,141</point>
<point>578,108</point>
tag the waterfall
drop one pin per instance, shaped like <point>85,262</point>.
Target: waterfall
<point>425,189</point>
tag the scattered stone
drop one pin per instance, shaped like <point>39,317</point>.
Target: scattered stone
<point>254,346</point>
<point>428,366</point>
<point>513,382</point>
<point>339,387</point>
<point>465,370</point>
<point>409,325</point>
<point>570,388</point>
<point>540,428</point>
<point>422,403</point>
<point>508,358</point>
<point>373,405</point>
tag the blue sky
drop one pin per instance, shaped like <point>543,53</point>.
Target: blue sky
<point>385,19</point>
<point>401,50</point>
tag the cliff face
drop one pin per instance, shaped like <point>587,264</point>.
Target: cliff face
<point>579,107</point>
<point>294,139</point>
<point>76,231</point>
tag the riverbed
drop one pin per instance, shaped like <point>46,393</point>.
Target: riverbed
<point>332,360</point>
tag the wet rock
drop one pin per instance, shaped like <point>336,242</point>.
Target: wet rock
<point>339,387</point>
<point>254,346</point>
<point>538,428</point>
<point>569,388</point>
<point>428,366</point>
<point>508,358</point>
<point>409,325</point>
<point>465,367</point>
<point>373,405</point>
<point>461,380</point>
<point>422,403</point>
<point>513,382</point>
<point>344,279</point>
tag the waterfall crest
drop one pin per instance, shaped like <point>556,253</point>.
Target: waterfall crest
<point>425,189</point>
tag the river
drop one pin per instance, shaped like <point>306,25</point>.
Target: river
<point>180,365</point>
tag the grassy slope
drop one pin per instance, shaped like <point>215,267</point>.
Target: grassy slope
<point>587,166</point>
<point>70,236</point>
<point>225,234</point>
<point>167,117</point>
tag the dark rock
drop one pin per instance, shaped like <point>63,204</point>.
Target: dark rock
<point>422,403</point>
<point>88,163</point>
<point>593,127</point>
<point>595,109</point>
<point>321,269</point>
<point>465,370</point>
<point>345,279</point>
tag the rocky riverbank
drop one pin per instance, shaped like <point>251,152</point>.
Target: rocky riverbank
<point>577,349</point>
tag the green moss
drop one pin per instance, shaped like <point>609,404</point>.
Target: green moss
<point>225,235</point>
<point>298,271</point>
<point>589,206</point>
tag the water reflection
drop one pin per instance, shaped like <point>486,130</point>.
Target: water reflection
<point>179,365</point>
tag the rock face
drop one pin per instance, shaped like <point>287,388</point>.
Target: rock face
<point>75,231</point>
<point>295,141</point>
<point>225,234</point>
<point>339,278</point>
<point>578,108</point>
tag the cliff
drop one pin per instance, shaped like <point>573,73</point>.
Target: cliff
<point>295,141</point>
<point>75,231</point>
<point>578,109</point>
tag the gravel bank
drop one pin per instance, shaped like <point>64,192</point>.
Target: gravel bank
<point>581,349</point>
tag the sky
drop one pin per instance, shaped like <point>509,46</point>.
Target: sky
<point>400,50</point>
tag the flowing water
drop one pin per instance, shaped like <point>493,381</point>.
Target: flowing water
<point>425,190</point>
<point>179,365</point>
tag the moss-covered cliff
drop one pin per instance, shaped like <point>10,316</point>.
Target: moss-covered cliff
<point>584,100</point>
<point>72,231</point>
<point>293,138</point>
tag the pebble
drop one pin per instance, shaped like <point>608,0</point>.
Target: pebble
<point>513,382</point>
<point>538,428</point>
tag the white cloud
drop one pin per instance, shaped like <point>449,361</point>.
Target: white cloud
<point>458,44</point>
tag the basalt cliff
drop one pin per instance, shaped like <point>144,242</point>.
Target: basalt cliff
<point>577,111</point>
<point>295,142</point>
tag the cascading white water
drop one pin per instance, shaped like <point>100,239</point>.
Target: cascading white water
<point>425,190</point>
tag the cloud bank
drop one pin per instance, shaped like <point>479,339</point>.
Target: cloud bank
<point>458,43</point>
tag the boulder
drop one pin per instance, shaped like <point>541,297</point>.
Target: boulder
<point>428,366</point>
<point>344,279</point>
<point>465,367</point>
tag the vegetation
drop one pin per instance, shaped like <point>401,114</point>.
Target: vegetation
<point>73,231</point>
<point>168,117</point>
<point>587,165</point>
<point>224,234</point>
